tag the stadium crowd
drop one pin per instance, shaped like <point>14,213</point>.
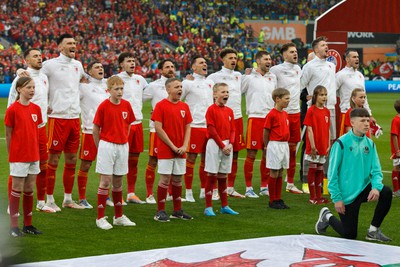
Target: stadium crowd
<point>104,29</point>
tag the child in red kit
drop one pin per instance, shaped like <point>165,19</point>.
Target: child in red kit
<point>276,137</point>
<point>110,133</point>
<point>172,120</point>
<point>22,136</point>
<point>317,121</point>
<point>219,150</point>
<point>357,100</point>
<point>395,147</point>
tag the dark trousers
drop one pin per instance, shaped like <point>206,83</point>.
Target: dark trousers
<point>348,223</point>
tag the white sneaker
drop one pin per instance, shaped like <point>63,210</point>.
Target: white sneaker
<point>53,205</point>
<point>123,221</point>
<point>133,198</point>
<point>150,200</point>
<point>189,196</point>
<point>103,224</point>
<point>109,202</point>
<point>44,208</point>
<point>291,188</point>
<point>169,197</point>
<point>264,191</point>
<point>396,193</point>
<point>215,195</point>
<point>232,193</point>
<point>71,204</point>
<point>250,193</point>
<point>202,193</point>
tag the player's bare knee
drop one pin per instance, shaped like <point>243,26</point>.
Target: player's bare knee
<point>54,158</point>
<point>251,153</point>
<point>70,158</point>
<point>85,165</point>
<point>152,161</point>
<point>191,157</point>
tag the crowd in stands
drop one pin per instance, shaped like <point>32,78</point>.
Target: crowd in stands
<point>152,30</point>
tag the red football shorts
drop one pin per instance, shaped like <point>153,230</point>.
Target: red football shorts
<point>294,128</point>
<point>198,140</point>
<point>254,133</point>
<point>63,135</point>
<point>152,144</point>
<point>88,149</point>
<point>239,139</point>
<point>44,153</point>
<point>135,138</point>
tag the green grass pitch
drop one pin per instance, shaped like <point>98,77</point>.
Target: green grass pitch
<point>73,233</point>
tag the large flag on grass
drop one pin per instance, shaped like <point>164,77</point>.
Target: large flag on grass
<point>293,250</point>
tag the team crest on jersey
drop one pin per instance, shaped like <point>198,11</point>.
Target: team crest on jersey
<point>86,152</point>
<point>76,69</point>
<point>137,81</point>
<point>326,119</point>
<point>155,150</point>
<point>193,146</point>
<point>183,113</point>
<point>237,78</point>
<point>55,142</point>
<point>269,78</point>
<point>253,143</point>
<point>287,122</point>
<point>34,117</point>
<point>44,82</point>
<point>230,118</point>
<point>124,114</point>
<point>366,150</point>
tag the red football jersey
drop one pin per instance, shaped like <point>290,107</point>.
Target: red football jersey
<point>114,120</point>
<point>278,124</point>
<point>174,118</point>
<point>319,120</point>
<point>347,118</point>
<point>24,145</point>
<point>222,119</point>
<point>395,129</point>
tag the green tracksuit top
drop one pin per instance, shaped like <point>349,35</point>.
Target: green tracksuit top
<point>353,164</point>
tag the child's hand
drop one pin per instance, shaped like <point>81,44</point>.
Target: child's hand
<point>314,153</point>
<point>227,150</point>
<point>180,150</point>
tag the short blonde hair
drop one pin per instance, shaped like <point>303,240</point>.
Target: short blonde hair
<point>218,85</point>
<point>114,80</point>
<point>279,92</point>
